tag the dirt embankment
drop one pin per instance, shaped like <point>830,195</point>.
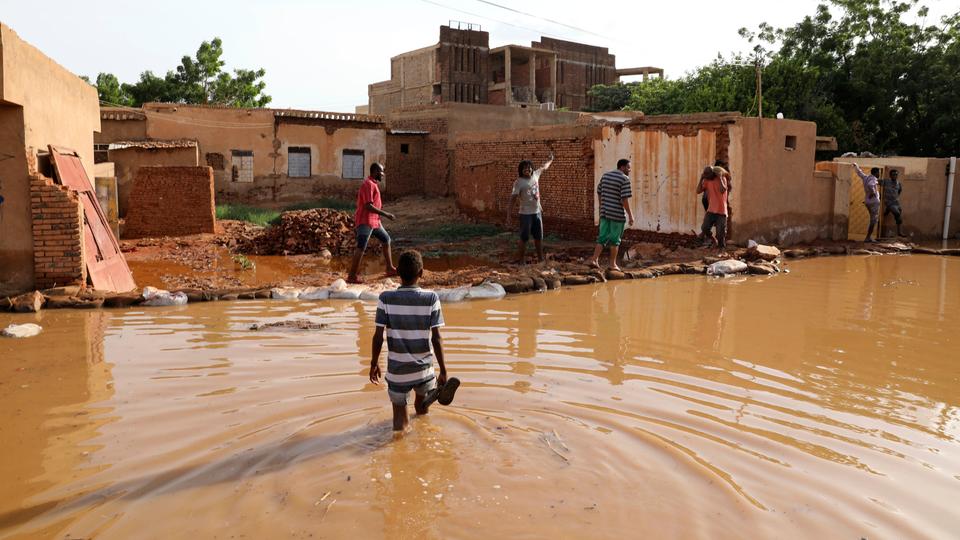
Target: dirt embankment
<point>313,248</point>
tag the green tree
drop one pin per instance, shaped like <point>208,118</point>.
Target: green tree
<point>198,80</point>
<point>873,73</point>
<point>612,97</point>
<point>111,91</point>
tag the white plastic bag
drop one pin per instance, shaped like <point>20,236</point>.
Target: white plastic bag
<point>158,297</point>
<point>726,268</point>
<point>453,295</point>
<point>486,290</point>
<point>315,293</point>
<point>285,293</point>
<point>21,330</point>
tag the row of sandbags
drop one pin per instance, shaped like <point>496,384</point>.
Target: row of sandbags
<point>340,290</point>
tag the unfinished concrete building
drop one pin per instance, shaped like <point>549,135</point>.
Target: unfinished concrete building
<point>462,68</point>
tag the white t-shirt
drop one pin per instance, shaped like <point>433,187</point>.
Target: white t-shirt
<point>528,190</point>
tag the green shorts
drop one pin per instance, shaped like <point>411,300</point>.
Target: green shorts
<point>610,232</point>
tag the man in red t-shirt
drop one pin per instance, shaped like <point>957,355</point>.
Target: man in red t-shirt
<point>367,221</point>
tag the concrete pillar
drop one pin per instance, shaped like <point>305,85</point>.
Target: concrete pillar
<point>507,80</point>
<point>553,79</point>
<point>533,76</point>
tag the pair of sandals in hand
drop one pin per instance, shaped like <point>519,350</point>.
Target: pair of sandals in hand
<point>443,394</point>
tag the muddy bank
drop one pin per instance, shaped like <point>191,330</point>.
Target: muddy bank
<point>564,268</point>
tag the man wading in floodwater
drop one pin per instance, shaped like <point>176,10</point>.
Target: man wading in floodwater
<point>871,198</point>
<point>412,319</point>
<point>367,221</point>
<point>527,189</point>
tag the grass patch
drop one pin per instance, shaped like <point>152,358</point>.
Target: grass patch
<point>239,212</point>
<point>459,231</point>
<point>335,204</point>
<point>266,216</point>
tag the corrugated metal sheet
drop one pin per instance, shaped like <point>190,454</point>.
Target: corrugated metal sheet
<point>665,173</point>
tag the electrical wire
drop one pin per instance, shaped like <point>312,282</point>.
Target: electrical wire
<point>508,8</point>
<point>491,19</point>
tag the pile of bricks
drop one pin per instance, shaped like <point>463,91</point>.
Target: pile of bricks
<point>171,201</point>
<point>306,231</point>
<point>57,234</point>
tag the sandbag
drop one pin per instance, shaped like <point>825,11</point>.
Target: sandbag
<point>458,294</point>
<point>21,330</point>
<point>486,290</point>
<point>285,293</point>
<point>314,293</point>
<point>726,268</point>
<point>153,296</point>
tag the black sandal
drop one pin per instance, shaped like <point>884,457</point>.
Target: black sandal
<point>444,394</point>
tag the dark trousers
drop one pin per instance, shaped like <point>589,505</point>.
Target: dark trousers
<point>719,221</point>
<point>896,211</point>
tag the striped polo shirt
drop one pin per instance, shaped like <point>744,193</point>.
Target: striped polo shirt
<point>614,186</point>
<point>409,314</point>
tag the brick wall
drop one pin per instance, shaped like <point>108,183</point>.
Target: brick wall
<point>484,172</point>
<point>579,67</point>
<point>404,169</point>
<point>436,156</point>
<point>171,201</point>
<point>485,167</point>
<point>57,234</point>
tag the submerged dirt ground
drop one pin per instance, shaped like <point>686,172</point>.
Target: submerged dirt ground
<point>456,252</point>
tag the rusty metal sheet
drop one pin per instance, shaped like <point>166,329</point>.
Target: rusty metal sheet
<point>665,172</point>
<point>106,266</point>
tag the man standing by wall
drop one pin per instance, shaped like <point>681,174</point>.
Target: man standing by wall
<point>367,222</point>
<point>527,189</point>
<point>614,194</point>
<point>713,184</point>
<point>891,198</point>
<point>871,197</point>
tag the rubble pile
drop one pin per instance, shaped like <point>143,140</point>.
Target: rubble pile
<point>305,231</point>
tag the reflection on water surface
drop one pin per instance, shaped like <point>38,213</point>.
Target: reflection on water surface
<point>819,403</point>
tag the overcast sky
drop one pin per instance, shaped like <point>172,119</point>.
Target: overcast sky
<point>322,54</point>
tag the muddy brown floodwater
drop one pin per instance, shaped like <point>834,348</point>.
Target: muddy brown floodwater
<point>824,403</point>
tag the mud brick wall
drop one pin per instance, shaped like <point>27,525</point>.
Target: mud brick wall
<point>484,173</point>
<point>436,156</point>
<point>57,234</point>
<point>171,201</point>
<point>404,169</point>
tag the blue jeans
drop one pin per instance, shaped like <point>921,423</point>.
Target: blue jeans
<point>364,232</point>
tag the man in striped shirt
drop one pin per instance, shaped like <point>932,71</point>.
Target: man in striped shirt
<point>412,319</point>
<point>614,194</point>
